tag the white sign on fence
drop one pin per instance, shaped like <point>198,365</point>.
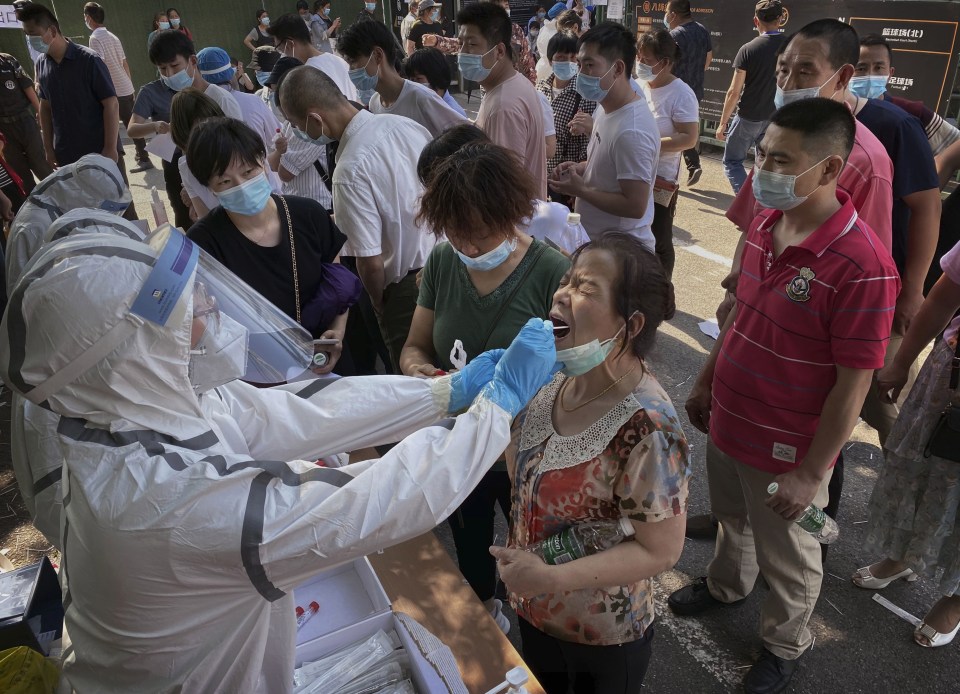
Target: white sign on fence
<point>8,18</point>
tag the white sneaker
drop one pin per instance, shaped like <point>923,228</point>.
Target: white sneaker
<point>499,617</point>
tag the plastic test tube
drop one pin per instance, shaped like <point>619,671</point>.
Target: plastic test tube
<point>304,616</point>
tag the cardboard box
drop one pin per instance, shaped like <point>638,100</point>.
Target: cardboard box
<point>348,595</point>
<point>353,607</point>
<point>31,607</point>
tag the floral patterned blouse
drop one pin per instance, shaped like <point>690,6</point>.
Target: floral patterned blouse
<point>633,462</point>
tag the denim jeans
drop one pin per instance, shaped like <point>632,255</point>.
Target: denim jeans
<point>741,135</point>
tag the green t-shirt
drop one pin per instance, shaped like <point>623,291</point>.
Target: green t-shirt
<point>460,313</point>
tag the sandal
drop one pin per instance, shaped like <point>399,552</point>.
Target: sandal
<point>864,579</point>
<point>935,638</point>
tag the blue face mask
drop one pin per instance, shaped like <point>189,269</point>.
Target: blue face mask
<point>435,16</point>
<point>164,25</point>
<point>564,70</point>
<point>541,15</point>
<point>179,81</point>
<point>363,80</point>
<point>589,87</point>
<point>265,21</point>
<point>321,141</point>
<point>492,259</point>
<point>471,66</point>
<point>326,11</point>
<point>248,198</point>
<point>370,6</point>
<point>777,191</point>
<point>583,358</point>
<point>262,78</point>
<point>37,44</point>
<point>175,23</point>
<point>869,86</point>
<point>666,23</point>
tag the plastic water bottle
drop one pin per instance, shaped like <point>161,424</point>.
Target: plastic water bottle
<point>823,528</point>
<point>581,540</point>
<point>575,235</point>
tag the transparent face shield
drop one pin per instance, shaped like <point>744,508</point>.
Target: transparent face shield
<point>277,348</point>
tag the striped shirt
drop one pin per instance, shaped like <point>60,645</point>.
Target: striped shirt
<point>110,50</point>
<point>299,160</point>
<point>824,303</point>
<point>867,178</point>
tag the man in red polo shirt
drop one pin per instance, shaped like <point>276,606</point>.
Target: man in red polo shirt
<point>784,384</point>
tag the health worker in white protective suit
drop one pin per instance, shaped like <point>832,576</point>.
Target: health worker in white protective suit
<point>91,181</point>
<point>180,554</point>
<point>34,447</point>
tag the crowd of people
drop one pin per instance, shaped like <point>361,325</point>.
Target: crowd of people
<point>511,272</point>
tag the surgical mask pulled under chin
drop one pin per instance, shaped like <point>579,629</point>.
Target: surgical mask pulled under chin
<point>583,358</point>
<point>781,98</point>
<point>492,259</point>
<point>777,191</point>
<point>220,355</point>
<point>248,198</point>
<point>869,86</point>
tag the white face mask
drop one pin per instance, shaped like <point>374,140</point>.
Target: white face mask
<point>781,98</point>
<point>220,355</point>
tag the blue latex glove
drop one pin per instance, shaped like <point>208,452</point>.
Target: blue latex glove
<point>466,383</point>
<point>528,365</point>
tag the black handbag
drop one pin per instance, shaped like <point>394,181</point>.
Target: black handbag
<point>945,440</point>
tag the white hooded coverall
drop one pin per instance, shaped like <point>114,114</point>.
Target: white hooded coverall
<point>181,551</point>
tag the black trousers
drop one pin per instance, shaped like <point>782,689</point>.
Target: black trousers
<point>24,151</point>
<point>173,185</point>
<point>472,526</point>
<point>564,667</point>
<point>126,113</point>
<point>662,228</point>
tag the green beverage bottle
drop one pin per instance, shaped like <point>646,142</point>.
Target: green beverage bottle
<point>582,539</point>
<point>823,528</point>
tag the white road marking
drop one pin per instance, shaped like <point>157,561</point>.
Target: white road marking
<point>694,636</point>
<point>704,253</point>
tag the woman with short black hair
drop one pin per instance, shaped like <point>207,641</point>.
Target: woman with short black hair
<point>430,67</point>
<point>285,247</point>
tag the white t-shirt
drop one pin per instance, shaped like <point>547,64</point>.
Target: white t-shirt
<point>672,103</point>
<point>624,145</point>
<point>335,68</point>
<point>549,128</point>
<point>225,100</point>
<point>376,192</point>
<point>258,116</point>
<point>421,104</point>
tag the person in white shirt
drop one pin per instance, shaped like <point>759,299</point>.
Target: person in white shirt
<point>173,54</point>
<point>375,193</point>
<point>108,47</point>
<point>677,112</point>
<point>614,187</point>
<point>214,64</point>
<point>293,40</point>
<point>371,53</point>
<point>407,24</point>
<point>302,166</point>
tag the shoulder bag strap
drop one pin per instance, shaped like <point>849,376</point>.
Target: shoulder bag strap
<point>293,257</point>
